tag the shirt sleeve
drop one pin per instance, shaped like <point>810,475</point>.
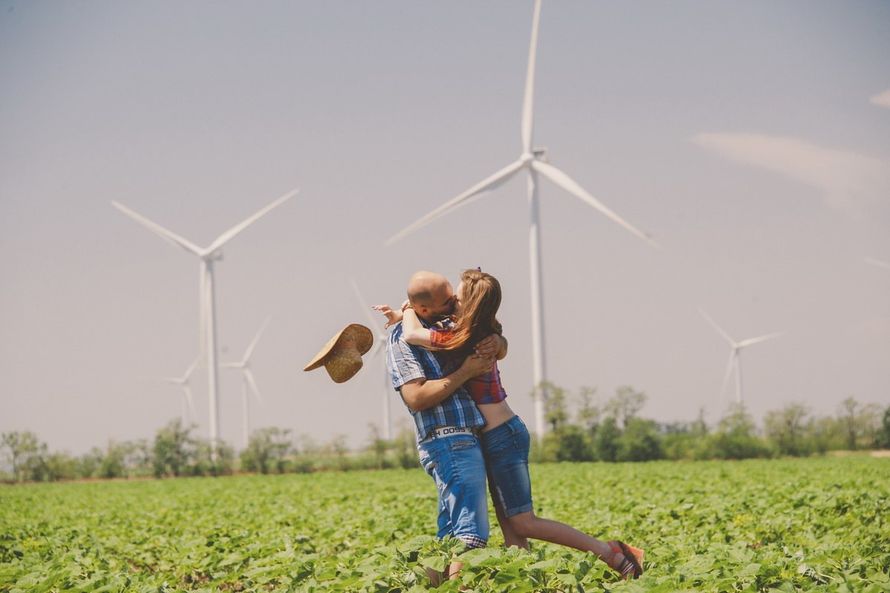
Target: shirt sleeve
<point>405,364</point>
<point>439,337</point>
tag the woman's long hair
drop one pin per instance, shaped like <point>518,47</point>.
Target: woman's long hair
<point>480,301</point>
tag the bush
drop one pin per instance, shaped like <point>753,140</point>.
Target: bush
<point>640,441</point>
<point>569,443</point>
<point>884,434</point>
<point>26,455</point>
<point>210,461</point>
<point>681,445</point>
<point>736,437</point>
<point>175,451</point>
<point>685,441</point>
<point>606,440</point>
<point>787,430</point>
<point>61,466</point>
<point>267,451</point>
<point>112,464</point>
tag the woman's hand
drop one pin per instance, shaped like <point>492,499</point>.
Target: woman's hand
<point>392,317</point>
<point>494,346</point>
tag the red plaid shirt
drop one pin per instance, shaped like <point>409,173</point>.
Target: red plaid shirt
<point>484,389</point>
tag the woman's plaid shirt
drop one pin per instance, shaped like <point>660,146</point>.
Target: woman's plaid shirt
<point>484,389</point>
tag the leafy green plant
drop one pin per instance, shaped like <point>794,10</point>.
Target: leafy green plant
<point>756,525</point>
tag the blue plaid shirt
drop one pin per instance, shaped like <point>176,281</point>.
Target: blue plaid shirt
<point>406,363</point>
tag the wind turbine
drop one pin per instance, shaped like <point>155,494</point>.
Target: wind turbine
<point>534,162</point>
<point>207,298</point>
<point>248,383</point>
<point>734,358</point>
<point>183,382</point>
<point>877,262</point>
<point>380,340</point>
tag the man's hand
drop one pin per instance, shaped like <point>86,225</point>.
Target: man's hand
<point>494,346</point>
<point>475,365</point>
<point>422,394</point>
<point>392,317</point>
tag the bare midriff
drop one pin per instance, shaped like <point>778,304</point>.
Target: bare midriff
<point>495,414</point>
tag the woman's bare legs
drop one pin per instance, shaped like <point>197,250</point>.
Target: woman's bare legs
<point>511,537</point>
<point>525,525</point>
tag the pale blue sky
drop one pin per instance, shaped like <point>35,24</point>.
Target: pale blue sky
<point>741,136</point>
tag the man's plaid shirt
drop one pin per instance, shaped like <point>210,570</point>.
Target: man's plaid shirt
<point>406,363</point>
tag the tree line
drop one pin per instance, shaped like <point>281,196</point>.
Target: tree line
<point>176,452</point>
<point>580,429</point>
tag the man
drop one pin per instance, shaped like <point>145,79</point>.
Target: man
<point>446,419</point>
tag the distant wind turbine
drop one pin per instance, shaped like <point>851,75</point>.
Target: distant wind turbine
<point>380,339</point>
<point>734,358</point>
<point>877,262</point>
<point>534,162</point>
<point>207,298</point>
<point>187,401</point>
<point>248,382</point>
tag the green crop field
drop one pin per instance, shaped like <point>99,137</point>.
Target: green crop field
<point>796,525</point>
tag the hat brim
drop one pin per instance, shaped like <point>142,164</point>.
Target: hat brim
<point>362,336</point>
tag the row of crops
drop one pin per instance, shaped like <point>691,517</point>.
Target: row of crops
<point>796,525</point>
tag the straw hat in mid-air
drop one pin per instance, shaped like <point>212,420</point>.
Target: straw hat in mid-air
<point>342,355</point>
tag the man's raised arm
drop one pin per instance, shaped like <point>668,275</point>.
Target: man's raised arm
<point>421,394</point>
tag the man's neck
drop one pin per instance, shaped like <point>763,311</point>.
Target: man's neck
<point>431,320</point>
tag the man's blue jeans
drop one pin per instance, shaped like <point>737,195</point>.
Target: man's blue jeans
<point>456,464</point>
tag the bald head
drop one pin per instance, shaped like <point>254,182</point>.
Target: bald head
<point>431,295</point>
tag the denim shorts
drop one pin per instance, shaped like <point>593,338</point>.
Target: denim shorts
<point>456,465</point>
<point>505,448</point>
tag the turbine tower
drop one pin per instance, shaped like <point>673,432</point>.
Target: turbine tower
<point>207,299</point>
<point>734,358</point>
<point>380,339</point>
<point>248,383</point>
<point>534,162</point>
<point>187,401</point>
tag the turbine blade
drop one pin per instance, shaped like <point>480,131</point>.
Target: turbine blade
<point>231,365</point>
<point>728,372</point>
<point>256,339</point>
<point>757,340</point>
<point>570,185</point>
<point>248,374</point>
<point>154,227</point>
<point>487,184</point>
<point>717,327</point>
<point>229,234</point>
<point>202,314</point>
<point>188,399</point>
<point>373,322</point>
<point>529,95</point>
<point>191,369</point>
<point>877,262</point>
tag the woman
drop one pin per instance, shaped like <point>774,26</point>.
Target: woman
<point>505,438</point>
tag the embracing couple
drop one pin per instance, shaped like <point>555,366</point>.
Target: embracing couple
<point>442,355</point>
